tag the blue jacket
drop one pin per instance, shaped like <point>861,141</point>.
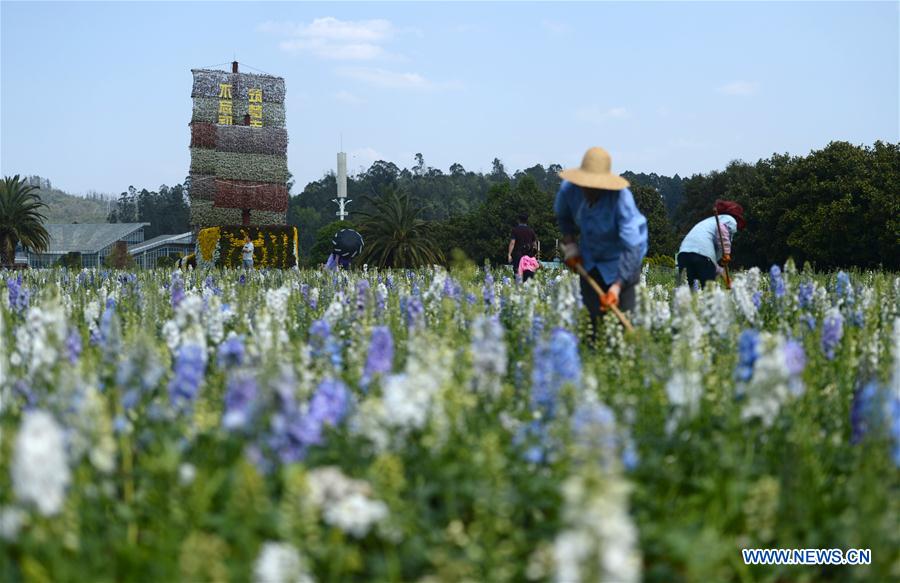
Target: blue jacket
<point>613,231</point>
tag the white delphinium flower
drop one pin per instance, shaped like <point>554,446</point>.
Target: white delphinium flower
<point>11,521</point>
<point>38,339</point>
<point>334,313</point>
<point>715,308</point>
<point>600,539</point>
<point>214,318</point>
<point>895,348</point>
<point>280,563</point>
<point>355,514</point>
<point>276,301</point>
<point>685,390</point>
<point>40,473</point>
<point>489,357</point>
<point>346,503</point>
<point>186,327</point>
<point>91,314</point>
<point>742,292</point>
<point>775,379</point>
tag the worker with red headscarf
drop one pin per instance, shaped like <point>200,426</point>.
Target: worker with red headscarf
<point>707,247</point>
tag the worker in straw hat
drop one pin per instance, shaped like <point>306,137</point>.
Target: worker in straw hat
<point>595,203</point>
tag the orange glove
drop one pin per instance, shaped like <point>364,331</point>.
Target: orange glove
<point>610,298</point>
<point>572,255</point>
<point>726,259</point>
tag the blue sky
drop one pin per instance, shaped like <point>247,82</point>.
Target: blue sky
<point>96,96</point>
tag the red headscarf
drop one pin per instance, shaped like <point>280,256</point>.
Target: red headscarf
<point>729,207</point>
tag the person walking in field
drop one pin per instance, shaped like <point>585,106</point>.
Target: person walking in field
<point>247,253</point>
<point>706,249</point>
<point>521,243</point>
<point>527,266</point>
<point>613,241</point>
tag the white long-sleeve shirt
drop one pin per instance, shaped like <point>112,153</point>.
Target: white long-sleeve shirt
<point>704,240</point>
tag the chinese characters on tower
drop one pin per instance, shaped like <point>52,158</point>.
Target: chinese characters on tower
<point>254,98</point>
<point>225,111</point>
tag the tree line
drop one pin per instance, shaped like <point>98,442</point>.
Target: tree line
<point>835,207</point>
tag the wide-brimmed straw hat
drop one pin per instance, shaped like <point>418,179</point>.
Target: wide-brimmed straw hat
<point>595,172</point>
<point>729,207</point>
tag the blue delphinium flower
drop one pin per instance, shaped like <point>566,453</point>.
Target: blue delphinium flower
<point>190,366</point>
<point>894,427</point>
<point>534,438</point>
<point>843,287</point>
<point>865,411</point>
<point>748,352</point>
<point>832,332</point>
<point>805,294</point>
<point>231,352</point>
<point>858,318</point>
<point>304,291</point>
<point>210,284</point>
<point>73,345</point>
<point>795,362</point>
<point>537,328</point>
<point>242,279</point>
<point>294,433</point>
<point>240,398</point>
<point>556,362</point>
<point>488,289</point>
<point>757,299</point>
<point>380,302</point>
<point>323,342</point>
<point>24,392</point>
<point>777,281</point>
<point>471,299</point>
<point>380,359</point>
<point>415,311</point>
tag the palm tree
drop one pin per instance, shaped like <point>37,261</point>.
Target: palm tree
<point>395,236</point>
<point>20,219</point>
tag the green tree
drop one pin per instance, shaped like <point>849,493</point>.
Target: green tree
<point>20,219</point>
<point>395,235</point>
<point>659,231</point>
<point>321,248</point>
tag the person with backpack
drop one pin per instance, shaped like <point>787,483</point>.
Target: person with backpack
<point>597,204</point>
<point>522,242</point>
<point>707,246</point>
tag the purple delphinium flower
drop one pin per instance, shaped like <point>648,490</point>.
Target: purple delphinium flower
<point>380,359</point>
<point>304,291</point>
<point>242,279</point>
<point>177,289</point>
<point>748,352</point>
<point>21,388</point>
<point>777,281</point>
<point>556,362</point>
<point>832,332</point>
<point>757,299</point>
<point>231,352</point>
<point>809,320</point>
<point>471,299</point>
<point>293,433</point>
<point>505,281</point>
<point>805,294</point>
<point>858,318</point>
<point>240,397</point>
<point>190,365</point>
<point>794,357</point>
<point>380,301</point>
<point>415,312</point>
<point>73,345</point>
<point>362,294</point>
<point>19,295</point>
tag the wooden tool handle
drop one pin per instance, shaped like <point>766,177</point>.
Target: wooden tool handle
<point>599,291</point>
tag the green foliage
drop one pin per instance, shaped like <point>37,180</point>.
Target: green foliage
<point>322,247</point>
<point>168,261</point>
<point>395,235</point>
<point>21,219</point>
<point>660,232</point>
<point>166,210</point>
<point>836,207</point>
<point>119,257</point>
<point>71,260</point>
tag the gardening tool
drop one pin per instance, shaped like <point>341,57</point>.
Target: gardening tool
<point>579,268</point>
<point>347,243</point>
<point>722,245</point>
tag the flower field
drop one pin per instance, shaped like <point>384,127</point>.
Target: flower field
<point>443,426</point>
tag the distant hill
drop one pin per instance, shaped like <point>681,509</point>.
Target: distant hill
<point>67,208</point>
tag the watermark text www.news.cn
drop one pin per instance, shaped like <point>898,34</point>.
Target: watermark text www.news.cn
<point>807,556</point>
